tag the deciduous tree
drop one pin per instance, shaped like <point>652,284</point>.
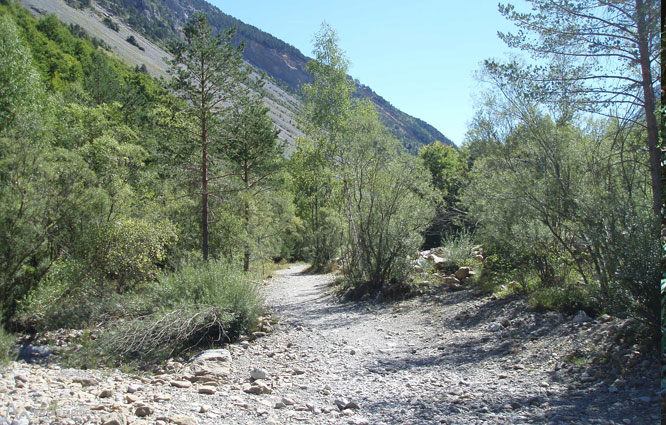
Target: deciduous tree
<point>603,56</point>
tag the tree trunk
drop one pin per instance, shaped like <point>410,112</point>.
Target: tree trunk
<point>246,261</point>
<point>652,129</point>
<point>246,213</point>
<point>204,203</point>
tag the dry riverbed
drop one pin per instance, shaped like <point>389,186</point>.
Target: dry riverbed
<point>449,358</point>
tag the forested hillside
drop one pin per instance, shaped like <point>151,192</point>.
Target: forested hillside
<point>161,22</point>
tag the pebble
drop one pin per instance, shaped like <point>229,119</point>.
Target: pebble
<point>143,411</point>
<point>182,420</point>
<point>181,384</point>
<point>207,389</point>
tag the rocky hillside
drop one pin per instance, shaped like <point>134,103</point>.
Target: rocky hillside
<point>153,23</point>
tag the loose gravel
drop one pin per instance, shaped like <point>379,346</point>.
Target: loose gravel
<point>449,358</point>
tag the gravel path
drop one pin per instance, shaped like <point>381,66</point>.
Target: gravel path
<point>451,358</point>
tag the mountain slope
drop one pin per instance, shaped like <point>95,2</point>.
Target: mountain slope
<point>154,22</point>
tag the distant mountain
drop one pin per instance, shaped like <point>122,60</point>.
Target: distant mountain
<point>161,20</point>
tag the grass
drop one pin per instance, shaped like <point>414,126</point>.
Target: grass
<point>458,248</point>
<point>7,342</point>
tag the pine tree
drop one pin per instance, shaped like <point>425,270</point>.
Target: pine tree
<point>209,73</point>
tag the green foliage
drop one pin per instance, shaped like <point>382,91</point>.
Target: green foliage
<point>7,342</point>
<point>383,194</point>
<point>569,298</point>
<point>209,75</point>
<point>551,201</point>
<point>458,247</point>
<point>446,167</point>
<point>131,40</point>
<point>316,199</point>
<point>132,251</point>
<point>70,297</point>
<point>216,283</point>
<point>199,306</point>
<point>20,89</point>
<point>253,154</point>
<point>110,23</point>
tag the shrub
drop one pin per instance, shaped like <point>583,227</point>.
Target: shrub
<point>134,249</point>
<point>199,305</point>
<point>109,23</point>
<point>568,298</point>
<point>69,296</point>
<point>458,248</point>
<point>217,283</point>
<point>163,334</point>
<point>131,40</point>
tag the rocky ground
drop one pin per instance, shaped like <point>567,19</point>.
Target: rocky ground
<point>450,358</point>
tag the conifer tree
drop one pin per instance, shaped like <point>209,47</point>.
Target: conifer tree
<point>209,73</point>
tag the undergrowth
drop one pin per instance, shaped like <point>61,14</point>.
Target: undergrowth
<point>7,341</point>
<point>198,306</point>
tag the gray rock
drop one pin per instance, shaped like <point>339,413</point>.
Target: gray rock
<point>463,273</point>
<point>581,317</point>
<point>213,363</point>
<point>297,371</point>
<point>181,384</point>
<point>288,401</point>
<point>106,393</point>
<point>182,420</point>
<point>115,418</point>
<point>34,353</point>
<point>132,388</point>
<point>257,387</point>
<point>258,373</point>
<point>219,355</point>
<point>352,405</point>
<point>451,280</point>
<point>341,403</point>
<point>22,420</point>
<point>494,327</point>
<point>143,411</point>
<point>207,389</point>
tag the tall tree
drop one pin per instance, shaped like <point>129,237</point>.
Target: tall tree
<point>208,72</point>
<point>253,152</point>
<point>327,109</point>
<point>604,57</point>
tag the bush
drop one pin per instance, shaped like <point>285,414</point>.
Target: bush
<point>458,248</point>
<point>217,283</point>
<point>568,298</point>
<point>69,296</point>
<point>197,306</point>
<point>131,40</point>
<point>164,334</point>
<point>109,23</point>
<point>134,249</point>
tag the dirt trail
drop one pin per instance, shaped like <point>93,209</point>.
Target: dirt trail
<point>451,358</point>
<point>434,360</point>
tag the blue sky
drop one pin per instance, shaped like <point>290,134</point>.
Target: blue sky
<point>420,55</point>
